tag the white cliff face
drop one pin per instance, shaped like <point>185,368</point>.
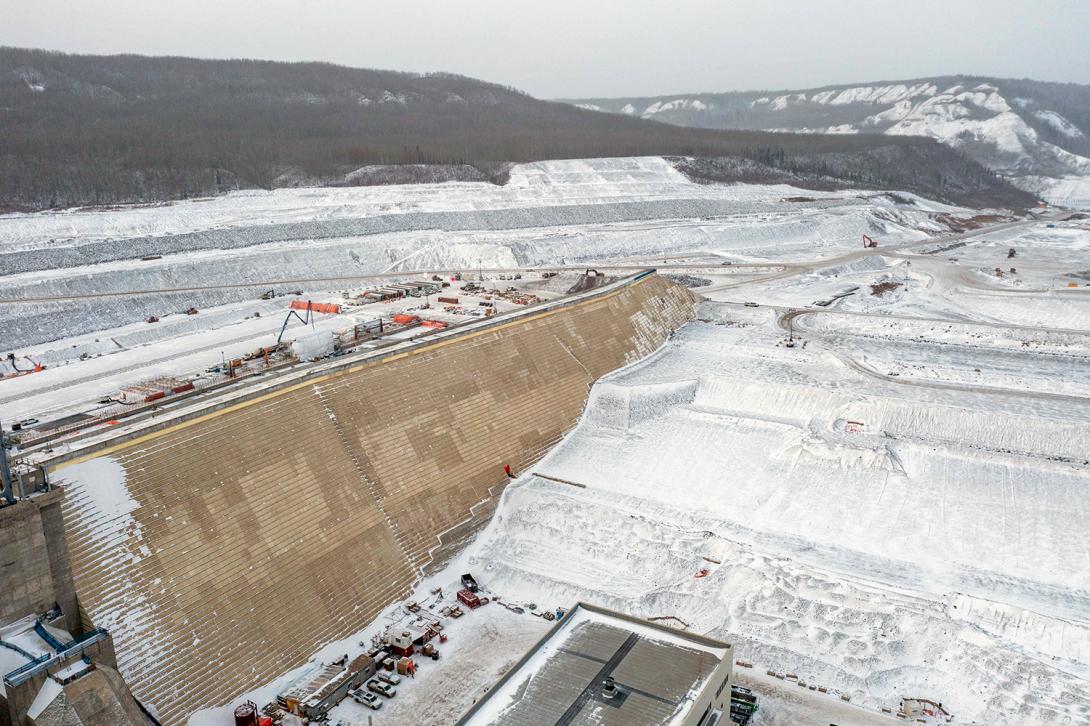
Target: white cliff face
<point>677,104</point>
<point>1015,136</point>
<point>956,116</point>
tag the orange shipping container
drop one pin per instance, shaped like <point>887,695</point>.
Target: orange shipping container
<point>403,319</point>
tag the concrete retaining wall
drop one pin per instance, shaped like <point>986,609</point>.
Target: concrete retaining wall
<point>34,569</point>
<point>224,550</point>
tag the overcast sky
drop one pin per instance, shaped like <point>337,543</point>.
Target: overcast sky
<point>573,48</point>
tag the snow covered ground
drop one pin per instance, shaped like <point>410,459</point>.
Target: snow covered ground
<point>894,506</point>
<point>896,501</point>
<point>65,274</point>
<point>882,540</point>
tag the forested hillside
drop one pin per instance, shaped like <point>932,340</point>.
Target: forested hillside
<point>78,130</point>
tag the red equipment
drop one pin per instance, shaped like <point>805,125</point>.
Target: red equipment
<point>868,242</point>
<point>469,599</point>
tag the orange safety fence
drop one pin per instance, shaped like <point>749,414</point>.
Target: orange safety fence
<point>316,307</point>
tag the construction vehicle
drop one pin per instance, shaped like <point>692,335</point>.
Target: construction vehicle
<point>35,367</point>
<point>306,319</point>
<point>869,242</point>
<point>469,582</point>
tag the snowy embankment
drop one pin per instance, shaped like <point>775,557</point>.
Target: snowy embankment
<point>225,250</point>
<point>879,539</point>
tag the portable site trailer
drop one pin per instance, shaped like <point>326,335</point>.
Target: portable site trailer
<point>321,688</point>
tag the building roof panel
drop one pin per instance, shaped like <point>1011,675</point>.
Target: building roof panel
<point>659,673</point>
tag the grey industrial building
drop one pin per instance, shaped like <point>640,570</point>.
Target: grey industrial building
<point>597,666</point>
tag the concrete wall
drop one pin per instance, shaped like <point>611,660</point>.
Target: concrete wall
<point>224,550</point>
<point>34,569</point>
<point>16,700</point>
<point>100,698</point>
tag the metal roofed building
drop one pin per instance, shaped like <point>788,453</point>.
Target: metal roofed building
<point>601,667</point>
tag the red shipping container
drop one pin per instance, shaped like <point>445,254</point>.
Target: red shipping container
<point>469,599</point>
<point>154,396</point>
<point>449,300</point>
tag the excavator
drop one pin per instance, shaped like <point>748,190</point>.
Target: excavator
<point>35,367</point>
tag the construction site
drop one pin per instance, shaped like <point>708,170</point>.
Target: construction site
<point>271,491</point>
<point>756,460</point>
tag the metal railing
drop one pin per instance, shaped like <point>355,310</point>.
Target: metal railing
<point>25,672</point>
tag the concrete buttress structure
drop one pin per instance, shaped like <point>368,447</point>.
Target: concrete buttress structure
<point>223,550</point>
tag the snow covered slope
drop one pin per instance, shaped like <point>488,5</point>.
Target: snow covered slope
<point>878,538</point>
<point>1035,133</point>
<point>232,248</point>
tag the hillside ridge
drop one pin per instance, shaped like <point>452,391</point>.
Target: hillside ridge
<point>1032,132</point>
<point>99,130</point>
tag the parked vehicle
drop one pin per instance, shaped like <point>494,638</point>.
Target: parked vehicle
<point>469,583</point>
<point>379,687</point>
<point>751,305</point>
<point>392,678</point>
<point>364,698</point>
